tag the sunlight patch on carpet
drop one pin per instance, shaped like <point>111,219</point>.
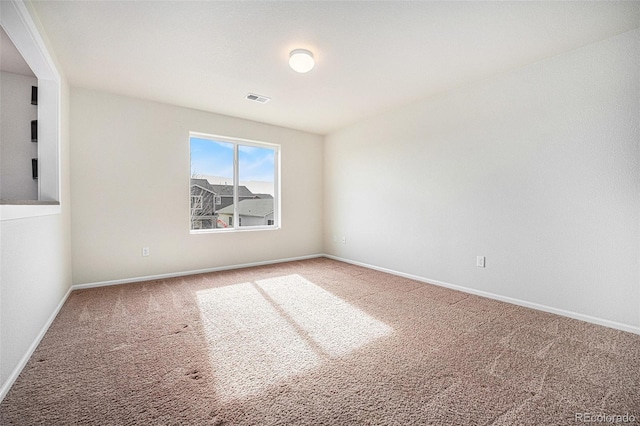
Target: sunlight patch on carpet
<point>335,325</point>
<point>260,334</point>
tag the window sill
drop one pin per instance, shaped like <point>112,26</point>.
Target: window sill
<point>22,209</point>
<point>233,230</point>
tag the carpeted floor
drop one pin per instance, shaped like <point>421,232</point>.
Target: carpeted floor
<point>318,342</point>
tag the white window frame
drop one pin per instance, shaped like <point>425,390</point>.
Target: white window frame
<point>237,226</point>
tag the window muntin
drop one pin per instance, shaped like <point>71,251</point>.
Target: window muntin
<point>238,181</point>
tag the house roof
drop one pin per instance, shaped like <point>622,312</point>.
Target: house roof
<point>222,190</point>
<point>253,207</point>
<point>264,196</point>
<point>227,190</point>
<point>202,183</point>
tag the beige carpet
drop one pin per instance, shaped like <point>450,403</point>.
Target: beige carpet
<point>318,342</point>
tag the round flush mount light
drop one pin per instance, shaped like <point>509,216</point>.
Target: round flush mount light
<point>301,60</point>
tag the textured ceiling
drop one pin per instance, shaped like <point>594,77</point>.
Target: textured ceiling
<point>370,56</point>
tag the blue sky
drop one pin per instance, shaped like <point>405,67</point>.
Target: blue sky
<point>213,158</point>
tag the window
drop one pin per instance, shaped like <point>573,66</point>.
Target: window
<point>234,183</point>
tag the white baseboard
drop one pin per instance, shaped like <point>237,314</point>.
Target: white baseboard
<point>539,307</point>
<point>25,358</point>
<point>193,272</point>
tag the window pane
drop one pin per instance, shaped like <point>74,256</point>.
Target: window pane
<point>256,189</point>
<point>211,184</point>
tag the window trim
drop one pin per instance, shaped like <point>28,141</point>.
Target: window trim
<point>236,183</point>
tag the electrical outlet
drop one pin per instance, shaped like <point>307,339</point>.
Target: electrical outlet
<point>344,240</point>
<point>145,251</point>
<point>480,261</point>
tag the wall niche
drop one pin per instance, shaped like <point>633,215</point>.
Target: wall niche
<point>18,126</point>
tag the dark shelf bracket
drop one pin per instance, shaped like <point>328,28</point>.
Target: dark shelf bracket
<point>34,168</point>
<point>34,130</point>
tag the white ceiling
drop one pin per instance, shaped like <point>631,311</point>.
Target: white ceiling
<point>10,59</point>
<point>370,56</point>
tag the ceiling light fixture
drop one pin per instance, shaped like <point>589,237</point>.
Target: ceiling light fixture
<point>301,60</point>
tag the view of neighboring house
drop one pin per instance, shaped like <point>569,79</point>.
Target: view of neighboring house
<point>209,201</point>
<point>225,192</point>
<point>265,196</point>
<point>203,204</point>
<point>251,212</point>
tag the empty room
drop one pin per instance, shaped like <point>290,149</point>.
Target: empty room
<point>319,212</point>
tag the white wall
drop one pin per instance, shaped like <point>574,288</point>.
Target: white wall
<point>537,169</point>
<point>35,265</point>
<point>16,148</point>
<point>130,188</point>
<point>36,275</point>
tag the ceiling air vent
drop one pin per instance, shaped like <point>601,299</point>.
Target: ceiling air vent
<point>257,98</point>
